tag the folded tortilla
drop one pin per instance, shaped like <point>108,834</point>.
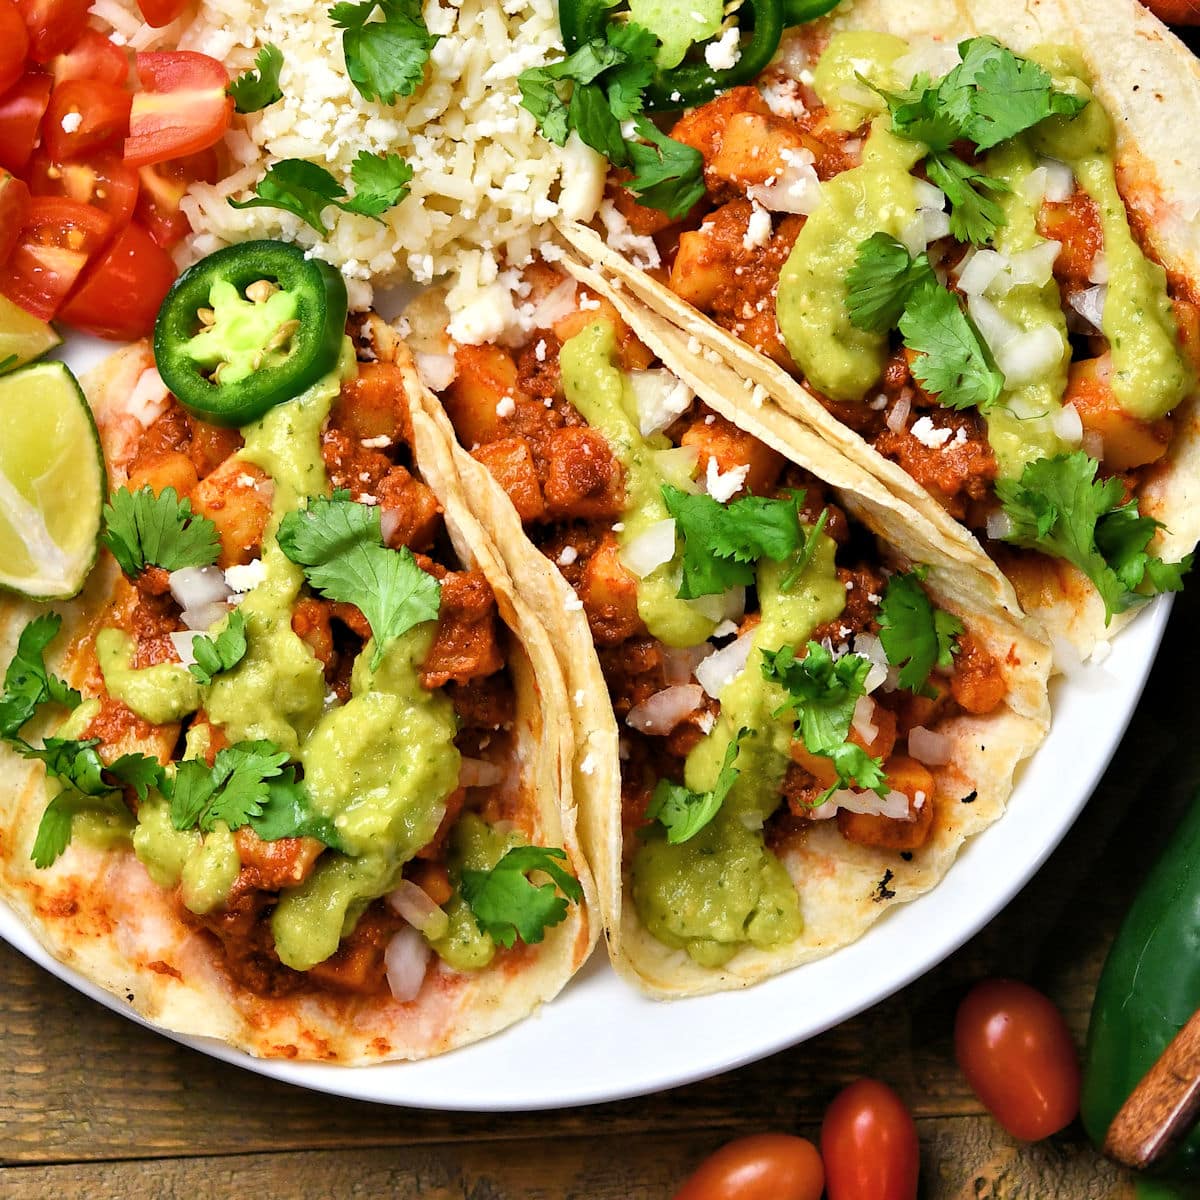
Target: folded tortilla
<point>98,912</point>
<point>1149,82</point>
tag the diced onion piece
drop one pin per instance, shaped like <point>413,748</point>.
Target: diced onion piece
<point>979,271</point>
<point>194,587</point>
<point>651,548</point>
<point>912,236</point>
<point>927,56</point>
<point>929,747</point>
<point>660,713</point>
<point>416,906</point>
<point>1099,269</point>
<point>863,721</point>
<point>1093,445</point>
<point>994,327</point>
<point>1030,355</point>
<point>869,804</point>
<point>437,371</point>
<point>796,189</point>
<point>1035,265</point>
<point>1067,424</point>
<point>1060,181</point>
<point>478,772</point>
<point>871,647</point>
<point>897,419</point>
<point>999,524</point>
<point>555,305</point>
<point>936,224</point>
<point>148,400</point>
<point>1033,187</point>
<point>728,606</point>
<point>406,960</point>
<point>679,662</point>
<point>203,617</point>
<point>183,645</point>
<point>677,466</point>
<point>928,194</point>
<point>723,666</point>
<point>1089,304</point>
<point>660,397</point>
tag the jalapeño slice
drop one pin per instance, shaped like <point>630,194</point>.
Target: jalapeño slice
<point>247,328</point>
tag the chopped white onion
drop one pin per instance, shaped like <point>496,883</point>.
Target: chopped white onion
<point>863,721</point>
<point>898,417</point>
<point>406,959</point>
<point>1089,304</point>
<point>555,305</point>
<point>678,466</point>
<point>796,189</point>
<point>979,270</point>
<point>723,666</point>
<point>416,906</point>
<point>929,747</point>
<point>994,327</point>
<point>927,56</point>
<point>660,713</point>
<point>936,224</point>
<point>203,617</point>
<point>1030,355</point>
<point>999,524</point>
<point>870,647</point>
<point>183,645</point>
<point>1067,424</point>
<point>752,820</point>
<point>660,397</point>
<point>478,772</point>
<point>1034,266</point>
<point>1099,269</point>
<point>1093,445</point>
<point>912,236</point>
<point>928,195</point>
<point>1060,181</point>
<point>1033,187</point>
<point>728,606</point>
<point>194,587</point>
<point>437,371</point>
<point>389,522</point>
<point>869,804</point>
<point>651,548</point>
<point>148,400</point>
<point>680,662</point>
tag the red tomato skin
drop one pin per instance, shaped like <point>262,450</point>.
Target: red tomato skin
<point>162,188</point>
<point>161,12</point>
<point>763,1166</point>
<point>103,181</point>
<point>54,244</point>
<point>1017,1054</point>
<point>14,44</point>
<point>96,117</point>
<point>14,207</point>
<point>120,295</point>
<point>21,109</point>
<point>182,107</point>
<point>54,25</point>
<point>869,1145</point>
<point>92,57</point>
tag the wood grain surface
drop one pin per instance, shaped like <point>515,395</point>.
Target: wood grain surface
<point>94,1106</point>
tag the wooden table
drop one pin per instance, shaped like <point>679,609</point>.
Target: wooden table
<point>93,1106</point>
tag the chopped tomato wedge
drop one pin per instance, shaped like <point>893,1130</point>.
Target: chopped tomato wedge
<point>54,25</point>
<point>14,44</point>
<point>85,116</point>
<point>182,107</point>
<point>163,186</point>
<point>54,244</point>
<point>103,181</point>
<point>14,205</point>
<point>161,12</point>
<point>92,57</point>
<point>21,109</point>
<point>120,295</point>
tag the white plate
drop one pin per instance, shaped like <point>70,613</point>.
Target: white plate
<point>620,1044</point>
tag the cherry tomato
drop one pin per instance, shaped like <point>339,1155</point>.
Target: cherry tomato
<point>869,1144</point>
<point>161,12</point>
<point>103,181</point>
<point>85,116</point>
<point>182,107</point>
<point>14,44</point>
<point>120,294</point>
<point>92,57</point>
<point>21,109</point>
<point>14,206</point>
<point>54,244</point>
<point>54,25</point>
<point>163,187</point>
<point>1175,12</point>
<point>764,1166</point>
<point>1017,1054</point>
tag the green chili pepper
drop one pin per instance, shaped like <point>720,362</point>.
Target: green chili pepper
<point>247,328</point>
<point>1148,989</point>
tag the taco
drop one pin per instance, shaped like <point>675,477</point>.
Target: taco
<point>792,704</point>
<point>961,244</point>
<point>308,792</point>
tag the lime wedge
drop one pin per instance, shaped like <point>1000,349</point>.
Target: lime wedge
<point>22,336</point>
<point>52,483</point>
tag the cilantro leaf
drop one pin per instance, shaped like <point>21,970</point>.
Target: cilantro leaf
<point>952,361</point>
<point>54,830</point>
<point>823,692</point>
<point>507,905</point>
<point>226,650</point>
<point>380,182</point>
<point>145,530</point>
<point>256,90</point>
<point>340,546</point>
<point>384,58</point>
<point>299,187</point>
<point>1058,506</point>
<point>920,113</point>
<point>880,282</point>
<point>721,542</point>
<point>807,551</point>
<point>682,812</point>
<point>667,175</point>
<point>139,772</point>
<point>234,789</point>
<point>916,636</point>
<point>589,115</point>
<point>625,82</point>
<point>974,215</point>
<point>72,760</point>
<point>27,683</point>
<point>287,812</point>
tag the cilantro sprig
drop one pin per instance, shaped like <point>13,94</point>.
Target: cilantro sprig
<point>594,90</point>
<point>27,682</point>
<point>916,636</point>
<point>340,546</point>
<point>306,189</point>
<point>144,530</point>
<point>385,58</point>
<point>822,691</point>
<point>682,812</point>
<point>214,655</point>
<point>255,90</point>
<point>1058,506</point>
<point>507,904</point>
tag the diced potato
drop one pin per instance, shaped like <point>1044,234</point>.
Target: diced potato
<point>211,445</point>
<point>1128,441</point>
<point>310,623</point>
<point>511,463</point>
<point>1187,317</point>
<point>703,127</point>
<point>432,878</point>
<point>1075,224</point>
<point>632,355</point>
<point>884,741</point>
<point>372,404</point>
<point>358,965</point>
<point>817,765</point>
<point>285,862</point>
<point>698,275</point>
<point>923,710</point>
<point>753,147</point>
<point>609,594</point>
<point>731,448</point>
<point>905,775</point>
<point>486,376</point>
<point>465,645</point>
<point>583,479</point>
<point>411,514</point>
<point>977,684</point>
<point>236,497</point>
<point>171,468</point>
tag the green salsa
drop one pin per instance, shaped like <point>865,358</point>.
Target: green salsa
<point>159,694</point>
